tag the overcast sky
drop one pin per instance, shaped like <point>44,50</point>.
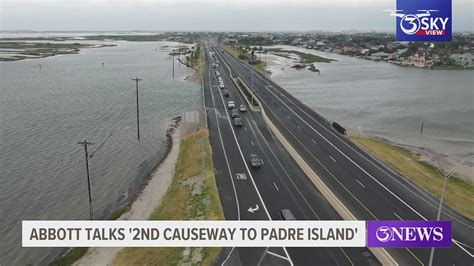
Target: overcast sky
<point>207,15</point>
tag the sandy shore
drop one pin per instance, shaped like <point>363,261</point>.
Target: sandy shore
<point>433,158</point>
<point>144,205</point>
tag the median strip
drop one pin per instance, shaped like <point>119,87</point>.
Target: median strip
<point>381,254</point>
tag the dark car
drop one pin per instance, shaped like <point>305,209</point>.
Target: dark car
<point>255,162</point>
<point>238,122</point>
<point>235,113</point>
<point>286,214</point>
<point>226,93</point>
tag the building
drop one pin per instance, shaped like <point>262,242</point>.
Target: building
<point>465,60</point>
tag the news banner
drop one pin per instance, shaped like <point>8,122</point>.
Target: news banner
<point>236,233</point>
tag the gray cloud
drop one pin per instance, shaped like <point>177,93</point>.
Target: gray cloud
<point>210,15</point>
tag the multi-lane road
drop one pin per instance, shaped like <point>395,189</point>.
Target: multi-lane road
<point>278,184</point>
<point>369,189</point>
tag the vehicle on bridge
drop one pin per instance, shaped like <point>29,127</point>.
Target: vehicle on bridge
<point>226,93</point>
<point>231,104</point>
<point>243,108</point>
<point>221,85</point>
<point>287,215</point>
<point>255,161</point>
<point>235,113</point>
<point>238,122</point>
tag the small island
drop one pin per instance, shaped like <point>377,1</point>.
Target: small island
<point>14,50</point>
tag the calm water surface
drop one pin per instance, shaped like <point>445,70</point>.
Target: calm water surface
<point>386,100</point>
<point>44,113</point>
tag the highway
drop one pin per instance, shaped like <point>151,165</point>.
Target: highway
<point>260,194</point>
<point>366,186</point>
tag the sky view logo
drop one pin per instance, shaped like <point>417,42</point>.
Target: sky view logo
<point>423,20</point>
<point>408,234</point>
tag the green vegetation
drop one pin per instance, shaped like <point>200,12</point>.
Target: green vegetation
<point>74,254</point>
<point>192,195</point>
<point>459,193</point>
<point>239,53</point>
<point>181,37</point>
<point>313,68</point>
<point>305,58</point>
<point>25,50</point>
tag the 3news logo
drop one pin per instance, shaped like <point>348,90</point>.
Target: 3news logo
<point>409,233</point>
<point>423,20</point>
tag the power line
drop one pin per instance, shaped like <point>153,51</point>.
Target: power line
<point>100,146</point>
<point>85,143</point>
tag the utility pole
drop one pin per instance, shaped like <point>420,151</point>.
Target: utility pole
<point>421,129</point>
<point>138,112</point>
<point>173,64</point>
<point>40,66</point>
<point>253,101</point>
<point>85,143</point>
<point>102,64</point>
<point>445,177</point>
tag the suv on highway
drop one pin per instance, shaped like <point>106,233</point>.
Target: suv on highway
<point>255,162</point>
<point>231,104</point>
<point>235,113</point>
<point>238,122</point>
<point>287,215</point>
<point>243,108</point>
<point>221,85</point>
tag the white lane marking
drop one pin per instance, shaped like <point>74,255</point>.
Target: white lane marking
<point>458,243</point>
<point>225,153</point>
<point>253,209</point>
<point>332,158</point>
<point>383,186</point>
<point>276,255</point>
<point>276,186</point>
<point>314,141</point>
<point>278,160</point>
<point>347,157</point>
<point>245,128</point>
<point>252,143</point>
<point>399,218</point>
<point>261,160</point>
<point>243,159</point>
<point>246,166</point>
<point>386,170</point>
<point>299,127</point>
<point>360,183</point>
<point>228,256</point>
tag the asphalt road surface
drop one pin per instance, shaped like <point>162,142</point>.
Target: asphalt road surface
<point>370,189</point>
<point>278,184</point>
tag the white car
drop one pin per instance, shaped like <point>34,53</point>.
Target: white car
<point>221,86</point>
<point>231,104</point>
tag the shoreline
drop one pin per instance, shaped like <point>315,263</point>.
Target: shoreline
<point>148,198</point>
<point>432,155</point>
<point>425,154</point>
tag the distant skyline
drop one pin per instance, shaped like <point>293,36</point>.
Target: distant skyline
<point>210,15</point>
